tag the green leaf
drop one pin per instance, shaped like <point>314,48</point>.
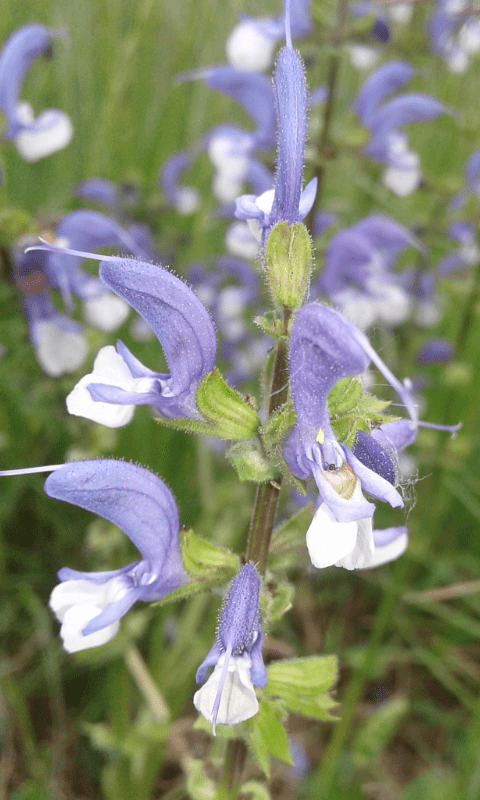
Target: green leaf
<point>371,406</point>
<point>232,417</point>
<point>250,464</point>
<point>199,785</point>
<point>302,683</point>
<point>280,602</point>
<point>377,731</point>
<point>268,736</point>
<point>436,784</point>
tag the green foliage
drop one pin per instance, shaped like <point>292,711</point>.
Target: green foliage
<point>13,223</point>
<point>268,736</point>
<point>351,410</point>
<point>303,684</point>
<point>378,730</point>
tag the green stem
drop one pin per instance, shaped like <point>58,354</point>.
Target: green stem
<point>235,757</point>
<point>266,498</point>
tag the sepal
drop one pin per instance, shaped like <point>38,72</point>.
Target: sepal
<point>230,415</point>
<point>351,410</point>
<point>277,604</point>
<point>201,558</point>
<point>288,257</point>
<point>209,566</point>
<point>278,423</point>
<point>250,463</point>
<point>271,325</point>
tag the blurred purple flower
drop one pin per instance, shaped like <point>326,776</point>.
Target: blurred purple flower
<point>388,144</point>
<point>436,351</point>
<point>59,342</point>
<point>472,181</point>
<point>358,272</point>
<point>454,31</point>
<point>52,130</point>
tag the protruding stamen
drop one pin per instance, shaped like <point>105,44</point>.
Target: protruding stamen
<point>53,248</point>
<point>288,32</point>
<point>31,470</point>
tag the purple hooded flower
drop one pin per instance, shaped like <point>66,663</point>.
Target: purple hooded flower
<point>388,144</point>
<point>52,130</point>
<point>324,347</point>
<point>90,604</point>
<point>228,697</point>
<point>286,202</point>
<point>183,327</point>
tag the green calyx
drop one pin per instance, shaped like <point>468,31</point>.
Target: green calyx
<point>288,256</point>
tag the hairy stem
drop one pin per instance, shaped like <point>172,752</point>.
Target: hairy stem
<point>266,499</point>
